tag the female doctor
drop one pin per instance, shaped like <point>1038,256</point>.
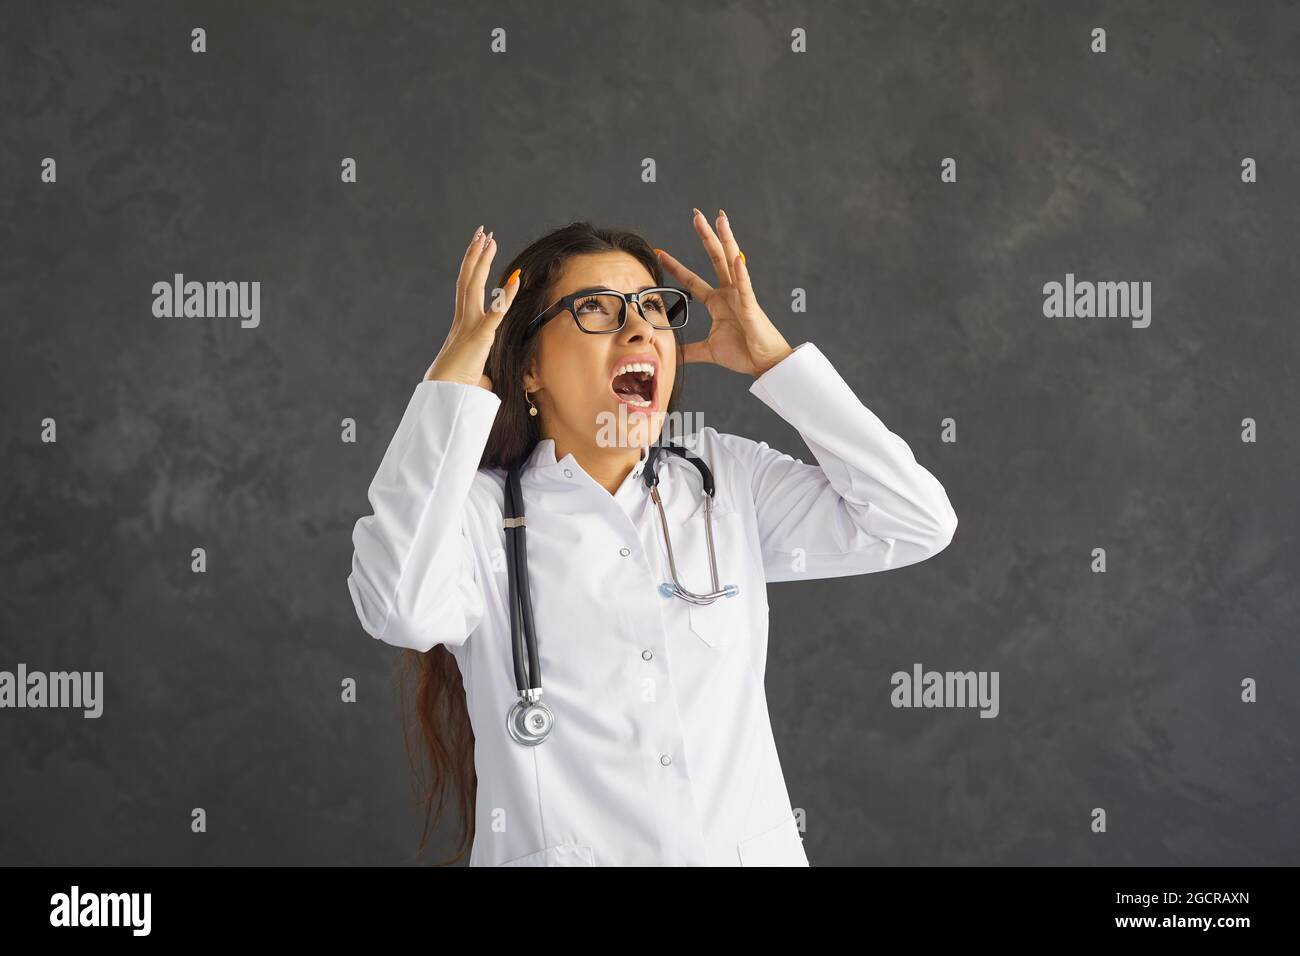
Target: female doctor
<point>634,731</point>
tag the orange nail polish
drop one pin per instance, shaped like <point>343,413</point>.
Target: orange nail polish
<point>657,251</point>
<point>513,276</point>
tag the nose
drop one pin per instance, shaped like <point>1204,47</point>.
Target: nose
<point>637,326</point>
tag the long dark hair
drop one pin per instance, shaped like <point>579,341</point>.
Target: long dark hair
<point>438,706</point>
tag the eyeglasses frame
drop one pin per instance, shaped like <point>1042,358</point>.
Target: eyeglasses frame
<point>565,304</point>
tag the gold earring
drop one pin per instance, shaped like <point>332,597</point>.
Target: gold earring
<point>532,409</point>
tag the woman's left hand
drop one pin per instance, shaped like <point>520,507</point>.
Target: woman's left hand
<point>741,338</point>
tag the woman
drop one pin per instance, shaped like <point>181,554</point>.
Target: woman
<point>660,751</point>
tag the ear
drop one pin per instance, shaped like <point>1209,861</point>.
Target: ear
<point>531,382</point>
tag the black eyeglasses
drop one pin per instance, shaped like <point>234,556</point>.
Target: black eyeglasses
<point>601,311</point>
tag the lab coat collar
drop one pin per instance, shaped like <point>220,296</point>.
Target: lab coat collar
<point>544,470</point>
<point>546,474</point>
<point>542,459</point>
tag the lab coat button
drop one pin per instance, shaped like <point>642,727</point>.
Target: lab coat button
<point>568,473</point>
<point>624,551</point>
<point>647,654</point>
<point>665,759</point>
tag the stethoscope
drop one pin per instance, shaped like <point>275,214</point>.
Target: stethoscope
<point>529,720</point>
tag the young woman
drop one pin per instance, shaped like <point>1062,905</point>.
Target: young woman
<point>649,743</point>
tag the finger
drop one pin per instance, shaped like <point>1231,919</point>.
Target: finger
<point>693,284</point>
<point>714,248</point>
<point>696,352</point>
<point>478,277</point>
<point>466,265</point>
<point>728,239</point>
<point>494,315</point>
<point>740,269</point>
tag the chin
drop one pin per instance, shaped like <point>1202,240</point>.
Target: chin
<point>644,428</point>
<point>627,427</point>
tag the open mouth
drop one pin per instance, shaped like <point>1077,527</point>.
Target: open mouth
<point>634,384</point>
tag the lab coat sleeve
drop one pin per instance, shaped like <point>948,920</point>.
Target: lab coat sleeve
<point>868,507</point>
<point>413,582</point>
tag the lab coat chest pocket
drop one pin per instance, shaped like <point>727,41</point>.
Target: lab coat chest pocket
<point>721,623</point>
<point>561,854</point>
<point>781,845</point>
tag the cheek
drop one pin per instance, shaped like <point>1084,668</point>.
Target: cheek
<point>669,370</point>
<point>576,372</point>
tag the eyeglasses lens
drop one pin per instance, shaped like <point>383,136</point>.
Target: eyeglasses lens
<point>663,308</point>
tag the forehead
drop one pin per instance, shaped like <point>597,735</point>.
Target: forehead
<point>608,270</point>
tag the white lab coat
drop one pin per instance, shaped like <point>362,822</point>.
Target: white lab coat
<point>662,751</point>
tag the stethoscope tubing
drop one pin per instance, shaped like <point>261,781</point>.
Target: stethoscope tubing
<point>530,721</point>
<point>522,614</point>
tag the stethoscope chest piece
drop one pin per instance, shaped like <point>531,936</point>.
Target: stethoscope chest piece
<point>530,722</point>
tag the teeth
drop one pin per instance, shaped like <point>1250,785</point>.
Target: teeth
<point>644,367</point>
<point>635,367</point>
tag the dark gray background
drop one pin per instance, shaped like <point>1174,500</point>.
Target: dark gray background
<point>1118,690</point>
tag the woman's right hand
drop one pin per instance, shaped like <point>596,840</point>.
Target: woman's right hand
<point>464,354</point>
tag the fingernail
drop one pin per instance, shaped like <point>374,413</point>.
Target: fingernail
<point>658,251</point>
<point>742,258</point>
<point>477,232</point>
<point>487,240</point>
<point>722,212</point>
<point>697,212</point>
<point>514,275</point>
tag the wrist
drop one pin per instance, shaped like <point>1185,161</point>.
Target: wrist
<point>773,358</point>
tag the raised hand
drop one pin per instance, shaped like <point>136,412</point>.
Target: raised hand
<point>464,354</point>
<point>741,336</point>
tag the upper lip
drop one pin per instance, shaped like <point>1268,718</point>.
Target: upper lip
<point>650,358</point>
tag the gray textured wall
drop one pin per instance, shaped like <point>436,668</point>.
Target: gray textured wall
<point>1118,690</point>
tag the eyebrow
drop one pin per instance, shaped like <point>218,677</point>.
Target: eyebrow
<point>602,288</point>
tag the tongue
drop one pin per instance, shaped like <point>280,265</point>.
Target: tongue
<point>630,385</point>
